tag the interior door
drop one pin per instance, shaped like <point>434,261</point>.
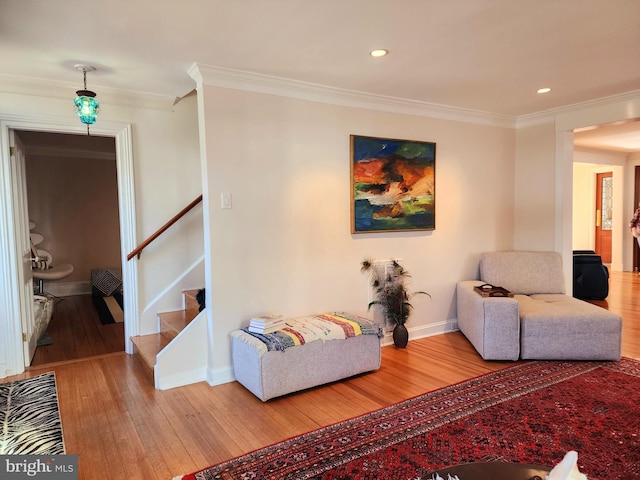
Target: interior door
<point>25,278</point>
<point>604,215</point>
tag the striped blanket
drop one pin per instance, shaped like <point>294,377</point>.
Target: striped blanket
<point>325,326</point>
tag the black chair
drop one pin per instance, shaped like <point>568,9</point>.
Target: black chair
<point>590,276</point>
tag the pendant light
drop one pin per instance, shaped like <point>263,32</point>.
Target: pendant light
<point>86,102</point>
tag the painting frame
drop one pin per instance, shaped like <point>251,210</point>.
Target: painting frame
<point>392,185</point>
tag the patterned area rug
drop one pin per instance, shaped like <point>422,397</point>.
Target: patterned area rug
<point>30,418</point>
<point>530,413</point>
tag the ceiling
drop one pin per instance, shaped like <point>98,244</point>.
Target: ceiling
<point>622,137</point>
<point>484,55</point>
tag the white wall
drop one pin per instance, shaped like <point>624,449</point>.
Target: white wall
<point>286,245</point>
<point>73,202</point>
<point>583,220</point>
<point>535,186</point>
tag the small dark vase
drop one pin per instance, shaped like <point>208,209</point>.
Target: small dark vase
<point>400,336</point>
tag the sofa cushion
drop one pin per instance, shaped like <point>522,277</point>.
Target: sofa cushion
<point>560,327</point>
<point>524,272</point>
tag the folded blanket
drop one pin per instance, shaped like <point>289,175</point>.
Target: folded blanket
<point>325,326</point>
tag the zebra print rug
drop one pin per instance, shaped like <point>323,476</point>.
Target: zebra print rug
<point>30,418</point>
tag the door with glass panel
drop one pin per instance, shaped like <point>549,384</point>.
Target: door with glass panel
<point>604,217</point>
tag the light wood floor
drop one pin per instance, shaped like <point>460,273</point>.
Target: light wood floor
<point>122,428</point>
<point>76,332</point>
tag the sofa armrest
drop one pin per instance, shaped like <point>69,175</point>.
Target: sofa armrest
<point>492,325</point>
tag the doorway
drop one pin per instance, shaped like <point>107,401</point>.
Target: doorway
<point>12,299</point>
<point>72,208</point>
<point>602,193</point>
<point>604,215</point>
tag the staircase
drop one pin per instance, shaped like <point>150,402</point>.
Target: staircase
<point>148,347</point>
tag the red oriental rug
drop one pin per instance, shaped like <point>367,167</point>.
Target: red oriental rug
<point>530,413</point>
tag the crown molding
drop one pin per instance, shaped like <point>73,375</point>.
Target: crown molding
<point>533,119</point>
<point>284,87</point>
<point>64,90</point>
<point>259,83</point>
<point>551,114</point>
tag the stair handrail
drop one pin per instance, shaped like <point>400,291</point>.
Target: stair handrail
<point>138,250</point>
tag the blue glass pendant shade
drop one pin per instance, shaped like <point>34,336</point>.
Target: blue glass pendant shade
<point>87,106</point>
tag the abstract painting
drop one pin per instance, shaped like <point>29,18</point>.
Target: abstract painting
<point>392,185</point>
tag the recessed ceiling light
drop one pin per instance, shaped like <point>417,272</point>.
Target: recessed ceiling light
<point>379,53</point>
<point>544,90</point>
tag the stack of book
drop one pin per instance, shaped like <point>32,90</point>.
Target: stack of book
<point>267,323</point>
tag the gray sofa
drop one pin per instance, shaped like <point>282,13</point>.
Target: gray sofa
<point>541,321</point>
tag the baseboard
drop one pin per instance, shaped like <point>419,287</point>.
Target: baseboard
<point>67,289</point>
<point>219,376</point>
<point>180,379</point>
<point>425,331</point>
<point>616,267</point>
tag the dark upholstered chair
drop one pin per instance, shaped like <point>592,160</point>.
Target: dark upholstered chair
<point>590,276</point>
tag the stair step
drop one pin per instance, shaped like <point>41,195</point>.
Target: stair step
<point>191,304</point>
<point>147,347</point>
<point>172,323</point>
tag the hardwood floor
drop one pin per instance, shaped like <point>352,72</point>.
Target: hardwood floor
<point>77,333</point>
<point>624,299</point>
<point>122,428</point>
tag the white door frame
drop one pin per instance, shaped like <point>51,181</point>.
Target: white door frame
<point>12,362</point>
<point>22,236</point>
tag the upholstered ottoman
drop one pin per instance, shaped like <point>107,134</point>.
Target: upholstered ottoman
<point>309,352</point>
